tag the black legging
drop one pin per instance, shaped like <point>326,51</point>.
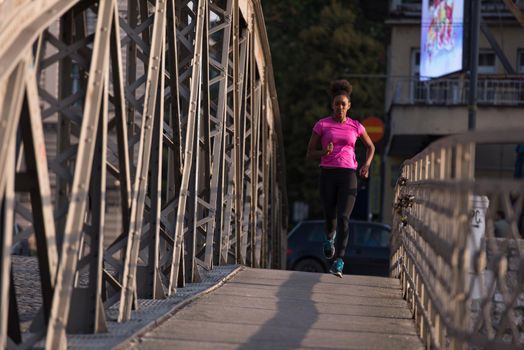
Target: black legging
<point>338,191</point>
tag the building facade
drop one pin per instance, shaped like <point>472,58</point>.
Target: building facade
<point>419,112</point>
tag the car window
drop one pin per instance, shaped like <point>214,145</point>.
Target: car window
<point>369,236</point>
<point>309,232</point>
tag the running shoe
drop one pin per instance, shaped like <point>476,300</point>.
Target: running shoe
<point>337,267</point>
<point>329,247</point>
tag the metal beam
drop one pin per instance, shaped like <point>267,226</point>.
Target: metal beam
<point>189,145</point>
<point>41,203</point>
<point>515,10</point>
<point>495,46</point>
<point>7,203</point>
<point>199,205</point>
<point>18,35</point>
<point>76,212</point>
<point>10,106</point>
<point>144,154</point>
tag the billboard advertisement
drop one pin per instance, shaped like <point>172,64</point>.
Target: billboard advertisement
<point>442,34</point>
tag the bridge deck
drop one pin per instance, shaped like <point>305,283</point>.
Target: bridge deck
<point>269,309</point>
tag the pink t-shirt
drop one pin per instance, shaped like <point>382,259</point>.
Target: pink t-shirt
<point>343,136</point>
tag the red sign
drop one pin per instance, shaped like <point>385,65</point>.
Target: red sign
<point>375,128</point>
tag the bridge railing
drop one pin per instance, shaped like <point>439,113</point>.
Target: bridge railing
<point>140,143</point>
<point>490,91</point>
<point>457,244</point>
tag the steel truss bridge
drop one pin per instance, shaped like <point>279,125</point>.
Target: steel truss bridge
<point>140,146</point>
<point>161,115</point>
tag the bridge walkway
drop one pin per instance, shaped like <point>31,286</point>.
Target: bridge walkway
<point>272,309</point>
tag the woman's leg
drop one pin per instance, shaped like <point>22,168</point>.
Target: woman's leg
<point>328,197</point>
<point>347,194</point>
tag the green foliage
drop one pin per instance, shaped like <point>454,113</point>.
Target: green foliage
<point>312,43</point>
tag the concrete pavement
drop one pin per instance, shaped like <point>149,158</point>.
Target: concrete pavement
<point>270,309</point>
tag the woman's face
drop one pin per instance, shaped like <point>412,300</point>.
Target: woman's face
<point>341,105</point>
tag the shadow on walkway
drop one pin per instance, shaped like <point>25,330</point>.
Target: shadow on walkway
<point>301,311</point>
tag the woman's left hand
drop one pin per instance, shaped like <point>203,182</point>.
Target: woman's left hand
<point>364,170</point>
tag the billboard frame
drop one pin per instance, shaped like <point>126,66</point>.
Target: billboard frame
<point>464,61</point>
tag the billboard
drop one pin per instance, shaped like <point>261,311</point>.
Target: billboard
<point>441,40</point>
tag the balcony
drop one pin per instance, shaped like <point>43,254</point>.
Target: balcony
<point>450,92</point>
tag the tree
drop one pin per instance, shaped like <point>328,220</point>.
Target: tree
<point>312,43</point>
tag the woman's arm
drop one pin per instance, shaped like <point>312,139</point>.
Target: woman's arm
<point>370,151</point>
<point>313,152</point>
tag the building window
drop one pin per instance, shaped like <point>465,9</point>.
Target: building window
<point>487,62</point>
<point>415,62</point>
<point>417,91</point>
<point>520,61</point>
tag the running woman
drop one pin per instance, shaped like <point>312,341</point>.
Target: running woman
<point>336,135</point>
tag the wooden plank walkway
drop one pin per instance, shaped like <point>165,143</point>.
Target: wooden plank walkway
<point>270,309</point>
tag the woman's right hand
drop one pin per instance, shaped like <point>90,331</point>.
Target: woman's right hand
<point>328,149</point>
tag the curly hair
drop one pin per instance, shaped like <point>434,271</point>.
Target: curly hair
<point>341,87</point>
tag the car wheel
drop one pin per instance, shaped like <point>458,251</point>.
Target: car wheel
<point>309,265</point>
